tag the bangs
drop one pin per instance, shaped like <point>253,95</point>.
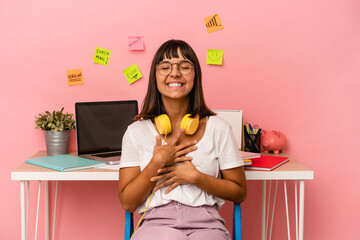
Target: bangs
<point>170,51</point>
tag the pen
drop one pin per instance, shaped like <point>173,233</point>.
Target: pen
<point>247,128</point>
<point>251,129</point>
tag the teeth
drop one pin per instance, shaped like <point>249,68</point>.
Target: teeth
<point>175,84</point>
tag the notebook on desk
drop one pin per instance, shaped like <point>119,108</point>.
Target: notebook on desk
<point>100,127</point>
<point>234,118</point>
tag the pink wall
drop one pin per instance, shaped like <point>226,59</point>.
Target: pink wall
<point>290,65</point>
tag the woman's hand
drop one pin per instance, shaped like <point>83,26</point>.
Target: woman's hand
<point>173,152</point>
<point>183,173</point>
<point>231,187</point>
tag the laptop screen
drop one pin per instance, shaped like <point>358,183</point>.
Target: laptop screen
<point>100,126</point>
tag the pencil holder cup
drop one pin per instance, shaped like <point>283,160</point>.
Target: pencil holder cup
<point>252,141</point>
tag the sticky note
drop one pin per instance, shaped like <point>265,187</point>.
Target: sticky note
<point>213,23</point>
<point>215,57</point>
<point>75,77</point>
<point>132,73</point>
<point>102,56</point>
<point>136,43</point>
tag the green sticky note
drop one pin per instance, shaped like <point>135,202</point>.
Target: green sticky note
<point>102,56</point>
<point>132,73</point>
<point>214,57</point>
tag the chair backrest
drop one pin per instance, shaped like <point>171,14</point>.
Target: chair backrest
<point>129,223</point>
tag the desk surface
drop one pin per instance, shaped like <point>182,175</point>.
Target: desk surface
<point>292,170</point>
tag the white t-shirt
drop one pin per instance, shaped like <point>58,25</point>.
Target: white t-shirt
<point>217,150</point>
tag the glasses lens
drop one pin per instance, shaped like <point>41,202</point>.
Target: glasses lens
<point>185,68</point>
<point>164,68</point>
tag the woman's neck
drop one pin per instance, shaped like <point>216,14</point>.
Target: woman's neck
<point>176,108</point>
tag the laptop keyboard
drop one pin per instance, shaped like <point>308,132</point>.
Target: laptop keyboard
<point>106,155</point>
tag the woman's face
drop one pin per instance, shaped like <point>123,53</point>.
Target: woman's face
<point>175,85</point>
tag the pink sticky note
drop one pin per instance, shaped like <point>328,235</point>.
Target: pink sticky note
<point>136,43</point>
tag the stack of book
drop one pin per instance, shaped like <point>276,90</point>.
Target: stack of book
<point>256,161</point>
<point>247,156</point>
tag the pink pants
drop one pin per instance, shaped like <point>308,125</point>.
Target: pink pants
<point>180,222</point>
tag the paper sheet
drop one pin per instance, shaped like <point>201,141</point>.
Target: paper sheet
<point>75,77</point>
<point>136,43</point>
<point>213,23</point>
<point>102,56</point>
<point>111,167</point>
<point>132,73</point>
<point>215,57</point>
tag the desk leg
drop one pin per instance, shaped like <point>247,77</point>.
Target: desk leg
<point>46,191</point>
<point>287,210</point>
<point>263,211</point>
<point>301,209</point>
<point>22,207</point>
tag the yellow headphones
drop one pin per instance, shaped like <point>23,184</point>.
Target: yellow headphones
<point>190,124</point>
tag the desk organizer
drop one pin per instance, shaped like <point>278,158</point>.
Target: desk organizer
<point>252,141</point>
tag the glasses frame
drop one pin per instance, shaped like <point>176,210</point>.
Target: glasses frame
<point>178,67</point>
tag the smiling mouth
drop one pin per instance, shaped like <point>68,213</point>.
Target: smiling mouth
<point>175,84</point>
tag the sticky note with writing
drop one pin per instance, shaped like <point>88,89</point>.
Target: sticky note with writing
<point>214,57</point>
<point>136,43</point>
<point>132,73</point>
<point>75,77</point>
<point>213,23</point>
<point>102,56</point>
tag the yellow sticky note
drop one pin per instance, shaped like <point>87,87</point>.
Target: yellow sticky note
<point>215,57</point>
<point>213,23</point>
<point>132,73</point>
<point>75,77</point>
<point>102,56</point>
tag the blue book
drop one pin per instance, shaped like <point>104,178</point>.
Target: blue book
<point>65,162</point>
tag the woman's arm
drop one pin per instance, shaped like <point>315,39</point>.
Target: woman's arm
<point>135,185</point>
<point>231,187</point>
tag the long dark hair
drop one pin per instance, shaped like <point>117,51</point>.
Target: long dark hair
<point>152,105</point>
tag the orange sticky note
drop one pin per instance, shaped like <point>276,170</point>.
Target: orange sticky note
<point>75,77</point>
<point>213,23</point>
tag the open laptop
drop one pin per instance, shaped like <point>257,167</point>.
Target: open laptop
<point>100,127</point>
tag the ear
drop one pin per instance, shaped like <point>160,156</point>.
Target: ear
<point>277,133</point>
<point>263,131</point>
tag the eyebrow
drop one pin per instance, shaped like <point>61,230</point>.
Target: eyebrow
<point>178,62</point>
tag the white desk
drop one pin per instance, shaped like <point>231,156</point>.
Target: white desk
<point>292,170</point>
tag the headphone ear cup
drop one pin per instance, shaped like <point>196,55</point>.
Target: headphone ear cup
<point>163,124</point>
<point>189,124</point>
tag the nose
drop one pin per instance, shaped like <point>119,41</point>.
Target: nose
<point>175,70</point>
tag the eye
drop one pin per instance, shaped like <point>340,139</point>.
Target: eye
<point>185,65</point>
<point>164,66</point>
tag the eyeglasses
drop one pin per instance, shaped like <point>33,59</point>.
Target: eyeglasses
<point>184,67</point>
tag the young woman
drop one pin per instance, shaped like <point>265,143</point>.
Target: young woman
<point>182,175</point>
